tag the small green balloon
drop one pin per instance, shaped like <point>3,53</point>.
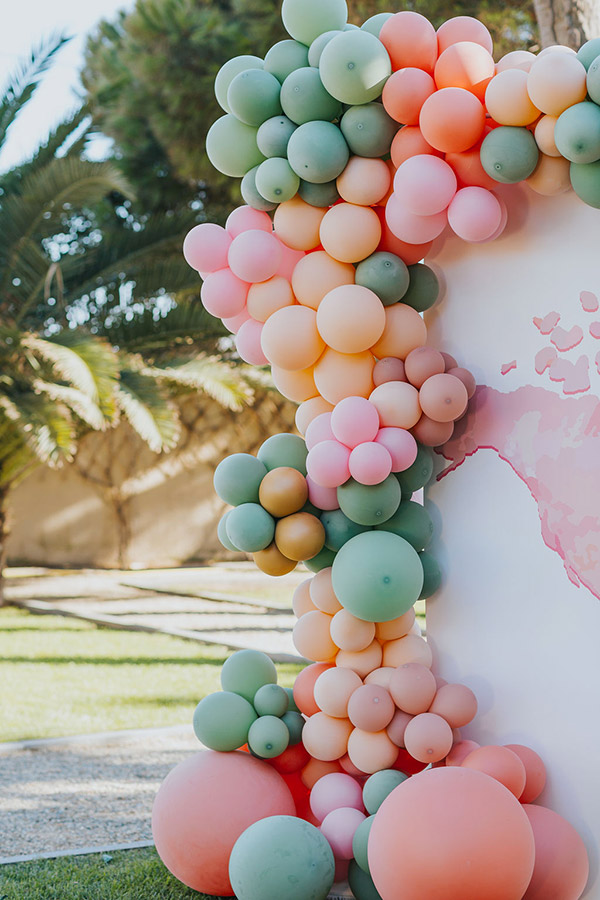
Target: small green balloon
<point>304,99</point>
<point>231,147</point>
<point>247,670</point>
<point>323,560</point>
<point>320,195</point>
<point>413,523</point>
<point>369,504</point>
<point>360,843</point>
<point>222,721</point>
<point>354,67</point>
<point>368,130</point>
<point>317,152</point>
<point>276,180</point>
<point>339,529</point>
<point>284,450</point>
<point>250,527</point>
<point>318,45</point>
<point>432,575</point>
<point>312,509</point>
<point>376,23</point>
<point>291,702</point>
<point>378,786</point>
<point>237,478</point>
<point>593,78</point>
<point>268,737</point>
<point>271,700</point>
<point>251,195</point>
<point>284,57</point>
<point>294,722</point>
<point>577,132</point>
<point>423,289</point>
<point>273,135</point>
<point>386,275</point>
<point>509,154</point>
<point>227,73</point>
<point>377,576</point>
<point>361,884</point>
<point>419,474</point>
<point>222,533</point>
<point>585,180</point>
<point>253,96</point>
<point>589,52</point>
<point>305,20</point>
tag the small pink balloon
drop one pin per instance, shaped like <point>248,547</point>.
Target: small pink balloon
<point>410,228</point>
<point>388,369</point>
<point>460,751</point>
<point>335,791</point>
<point>339,827</point>
<point>535,772</point>
<point>354,420</point>
<point>319,430</point>
<point>327,464</point>
<point>245,218</point>
<point>247,342</point>
<point>254,256</point>
<point>223,294</point>
<point>370,463</point>
<point>234,323</point>
<point>289,260</point>
<point>401,446</point>
<point>322,497</point>
<point>475,214</point>
<point>426,184</point>
<point>397,727</point>
<point>205,247</point>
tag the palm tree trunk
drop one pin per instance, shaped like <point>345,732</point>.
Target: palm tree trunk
<point>569,22</point>
<point>4,532</point>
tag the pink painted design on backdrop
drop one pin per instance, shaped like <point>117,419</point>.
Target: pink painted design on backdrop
<point>544,359</point>
<point>508,367</point>
<point>597,361</point>
<point>589,301</point>
<point>566,340</point>
<point>545,325</point>
<point>559,369</point>
<point>595,330</point>
<point>578,379</point>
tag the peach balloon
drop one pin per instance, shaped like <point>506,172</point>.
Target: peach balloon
<point>551,176</point>
<point>443,398</point>
<point>465,64</point>
<point>468,169</point>
<point>266,297</point>
<point>556,81</point>
<point>350,633</point>
<point>516,59</point>
<point>535,772</point>
<point>297,385</point>
<point>333,690</point>
<point>326,738</point>
<point>467,378</point>
<point>309,410</point>
<point>317,768</point>
<point>410,40</point>
<point>397,404</point>
<point>544,136</point>
<point>297,223</point>
<point>428,737</point>
<point>460,751</point>
<point>351,318</point>
<point>388,369</point>
<point>404,331</point>
<point>397,727</point>
<point>318,273</point>
<point>409,142</point>
<point>371,708</point>
<point>301,601</point>
<point>381,676</point>
<point>364,181</point>
<point>371,751</point>
<point>290,338</point>
<point>360,661</point>
<point>507,100</point>
<point>407,649</point>
<point>449,360</point>
<point>452,120</point>
<point>431,433</point>
<point>410,227</point>
<point>463,28</point>
<point>349,232</point>
<point>304,684</point>
<point>405,92</point>
<point>561,867</point>
<point>413,687</point>
<point>395,628</point>
<point>322,593</point>
<point>340,375</point>
<point>272,561</point>
<point>499,763</point>
<point>421,363</point>
<point>312,638</point>
<point>456,703</point>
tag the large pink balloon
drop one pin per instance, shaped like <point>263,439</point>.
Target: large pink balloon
<point>475,214</point>
<point>561,864</point>
<point>426,184</point>
<point>412,228</point>
<point>205,247</point>
<point>223,294</point>
<point>245,218</point>
<point>254,255</point>
<point>370,463</point>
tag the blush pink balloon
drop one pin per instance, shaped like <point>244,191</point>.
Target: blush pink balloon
<point>289,260</point>
<point>354,420</point>
<point>206,246</point>
<point>370,463</point>
<point>410,228</point>
<point>561,866</point>
<point>245,218</point>
<point>254,255</point>
<point>319,430</point>
<point>327,464</point>
<point>322,497</point>
<point>401,446</point>
<point>223,294</point>
<point>426,184</point>
<point>339,827</point>
<point>247,342</point>
<point>388,369</point>
<point>475,214</point>
<point>234,323</point>
<point>460,751</point>
<point>335,791</point>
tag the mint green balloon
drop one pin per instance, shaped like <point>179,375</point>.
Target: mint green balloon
<point>284,57</point>
<point>231,147</point>
<point>588,52</point>
<point>304,98</point>
<point>585,180</point>
<point>222,721</point>
<point>432,575</point>
<point>386,275</point>
<point>369,504</point>
<point>237,478</point>
<point>339,529</point>
<point>273,135</point>
<point>271,700</point>
<point>509,154</point>
<point>361,883</point>
<point>222,533</point>
<point>413,523</point>
<point>245,671</point>
<point>423,289</point>
<point>283,450</point>
<point>375,23</point>
<point>227,73</point>
<point>323,560</point>
<point>360,843</point>
<point>321,195</point>
<point>251,195</point>
<point>577,132</point>
<point>379,786</point>
<point>368,130</point>
<point>305,20</point>
<point>593,78</point>
<point>250,527</point>
<point>377,576</point>
<point>318,45</point>
<point>268,737</point>
<point>419,474</point>
<point>291,702</point>
<point>317,152</point>
<point>253,96</point>
<point>276,180</point>
<point>354,67</point>
<point>294,723</point>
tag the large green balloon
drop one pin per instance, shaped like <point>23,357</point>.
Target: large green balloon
<point>320,195</point>
<point>386,275</point>
<point>377,576</point>
<point>271,700</point>
<point>322,560</point>
<point>339,529</point>
<point>304,98</point>
<point>419,474</point>
<point>276,180</point>
<point>413,523</point>
<point>361,884</point>
<point>424,287</point>
<point>360,843</point>
<point>318,45</point>
<point>237,478</point>
<point>253,96</point>
<point>432,575</point>
<point>222,720</point>
<point>586,182</point>
<point>577,132</point>
<point>588,52</point>
<point>231,147</point>
<point>368,130</point>
<point>376,23</point>
<point>378,786</point>
<point>281,858</point>
<point>284,57</point>
<point>294,723</point>
<point>284,450</point>
<point>250,527</point>
<point>227,73</point>
<point>273,135</point>
<point>317,152</point>
<point>222,533</point>
<point>268,737</point>
<point>369,504</point>
<point>354,67</point>
<point>305,20</point>
<point>250,193</point>
<point>247,670</point>
<point>509,154</point>
<point>593,78</point>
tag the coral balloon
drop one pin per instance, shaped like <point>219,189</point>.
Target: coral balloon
<point>410,40</point>
<point>467,378</point>
<point>426,184</point>
<point>452,120</point>
<point>297,223</point>
<point>460,751</point>
<point>317,768</point>
<point>409,142</point>
<point>371,751</point>
<point>465,64</point>
<point>326,738</point>
<point>340,375</point>
<point>456,703</point>
<point>318,273</point>
<point>507,100</point>
<point>397,404</point>
<point>421,363</point>
<point>290,338</point>
<point>304,684</point>
<point>561,863</point>
<point>364,181</point>
<point>312,638</point>
<point>350,233</point>
<point>405,92</point>
<point>499,763</point>
<point>535,772</point>
<point>468,169</point>
<point>463,28</point>
<point>333,690</point>
<point>351,318</point>
<point>404,331</point>
<point>443,397</point>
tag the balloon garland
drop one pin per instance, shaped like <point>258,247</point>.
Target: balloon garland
<point>356,148</point>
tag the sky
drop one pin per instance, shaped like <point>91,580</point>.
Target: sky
<point>24,24</point>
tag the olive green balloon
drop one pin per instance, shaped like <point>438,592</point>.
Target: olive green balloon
<point>317,152</point>
<point>509,154</point>
<point>273,135</point>
<point>412,522</point>
<point>284,450</point>
<point>585,180</point>
<point>361,883</point>
<point>222,721</point>
<point>339,528</point>
<point>354,67</point>
<point>588,52</point>
<point>360,843</point>
<point>375,23</point>
<point>577,133</point>
<point>369,504</point>
<point>423,289</point>
<point>294,722</point>
<point>251,195</point>
<point>268,737</point>
<point>222,533</point>
<point>253,96</point>
<point>320,195</point>
<point>323,560</point>
<point>419,474</point>
<point>271,700</point>
<point>305,20</point>
<point>291,702</point>
<point>304,98</point>
<point>231,147</point>
<point>377,576</point>
<point>237,478</point>
<point>247,670</point>
<point>593,78</point>
<point>386,275</point>
<point>227,73</point>
<point>276,180</point>
<point>368,130</point>
<point>432,575</point>
<point>250,527</point>
<point>318,45</point>
<point>379,786</point>
<point>284,57</point>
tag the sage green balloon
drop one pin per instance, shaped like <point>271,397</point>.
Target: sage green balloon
<point>250,527</point>
<point>354,67</point>
<point>268,737</point>
<point>284,57</point>
<point>227,73</point>
<point>379,786</point>
<point>273,135</point>
<point>271,700</point>
<point>361,883</point>
<point>509,154</point>
<point>419,474</point>
<point>317,152</point>
<point>369,504</point>
<point>386,275</point>
<point>237,478</point>
<point>251,195</point>
<point>318,45</point>
<point>312,509</point>
<point>585,180</point>
<point>377,576</point>
<point>368,130</point>
<point>321,195</point>
<point>323,560</point>
<point>222,533</point>
<point>360,843</point>
<point>593,78</point>
<point>291,702</point>
<point>413,523</point>
<point>304,98</point>
<point>432,575</point>
<point>339,529</point>
<point>577,132</point>
<point>222,721</point>
<point>305,20</point>
<point>283,450</point>
<point>294,723</point>
<point>231,147</point>
<point>375,23</point>
<point>588,52</point>
<point>423,289</point>
<point>276,180</point>
<point>253,96</point>
<point>247,670</point>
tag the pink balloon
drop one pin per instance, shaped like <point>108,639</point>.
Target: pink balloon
<point>561,867</point>
<point>327,464</point>
<point>254,256</point>
<point>370,463</point>
<point>319,430</point>
<point>247,342</point>
<point>460,751</point>
<point>245,218</point>
<point>234,323</point>
<point>401,446</point>
<point>322,497</point>
<point>335,791</point>
<point>475,214</point>
<point>411,228</point>
<point>223,294</point>
<point>205,247</point>
<point>388,369</point>
<point>339,827</point>
<point>354,420</point>
<point>426,184</point>
<point>503,222</point>
<point>289,260</point>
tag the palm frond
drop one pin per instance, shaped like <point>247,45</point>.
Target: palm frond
<point>187,322</point>
<point>148,410</point>
<point>78,402</point>
<point>46,426</point>
<point>67,362</point>
<point>222,381</point>
<point>101,361</point>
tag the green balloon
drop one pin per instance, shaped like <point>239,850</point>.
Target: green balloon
<point>432,575</point>
<point>369,504</point>
<point>360,843</point>
<point>318,45</point>
<point>323,560</point>
<point>361,884</point>
<point>589,52</point>
<point>231,147</point>
<point>276,180</point>
<point>593,78</point>
<point>386,275</point>
<point>222,721</point>
<point>281,858</point>
<point>271,700</point>
<point>339,529</point>
<point>585,180</point>
<point>304,99</point>
<point>253,96</point>
<point>320,195</point>
<point>284,450</point>
<point>377,576</point>
<point>317,152</point>
<point>247,670</point>
<point>413,523</point>
<point>378,786</point>
<point>354,67</point>
<point>577,132</point>
<point>368,130</point>
<point>351,27</point>
<point>312,509</point>
<point>424,287</point>
<point>222,533</point>
<point>305,20</point>
<point>291,702</point>
<point>509,154</point>
<point>376,23</point>
<point>227,73</point>
<point>250,527</point>
<point>268,737</point>
<point>284,57</point>
<point>419,474</point>
<point>250,193</point>
<point>294,723</point>
<point>273,135</point>
<point>237,478</point>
